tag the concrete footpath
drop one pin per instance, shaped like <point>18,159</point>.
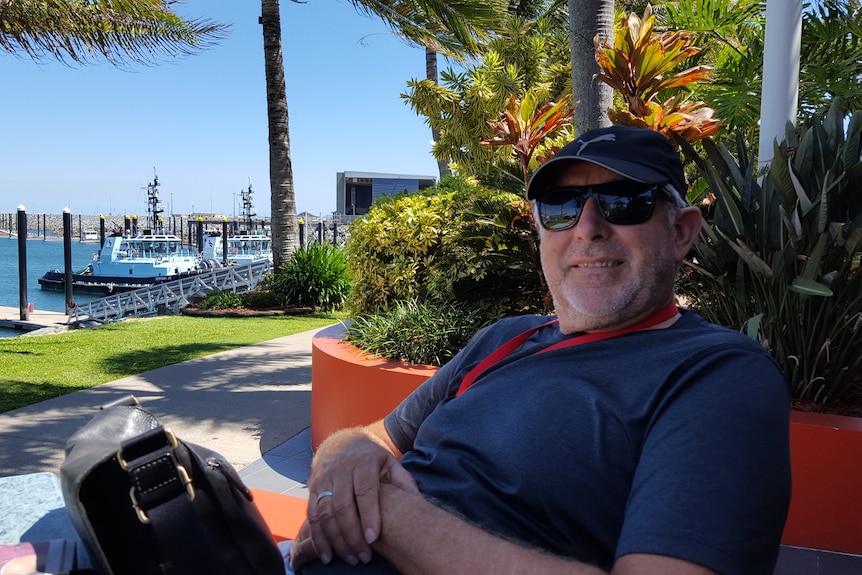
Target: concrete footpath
<point>10,318</point>
<point>243,403</point>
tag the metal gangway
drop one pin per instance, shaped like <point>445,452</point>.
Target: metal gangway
<point>171,296</point>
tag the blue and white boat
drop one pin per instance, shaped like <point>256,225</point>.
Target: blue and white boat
<point>127,263</point>
<point>242,249</point>
<point>132,260</point>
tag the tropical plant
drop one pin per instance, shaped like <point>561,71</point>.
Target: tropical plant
<point>499,264</point>
<point>780,258</point>
<point>222,300</point>
<point>527,125</point>
<point>642,65</point>
<point>417,332</point>
<point>526,56</point>
<point>395,247</point>
<point>731,33</point>
<point>261,300</point>
<point>457,242</point>
<point>831,56</point>
<point>451,27</point>
<point>315,276</point>
<point>139,31</point>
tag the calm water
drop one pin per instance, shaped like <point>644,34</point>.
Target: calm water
<point>42,256</point>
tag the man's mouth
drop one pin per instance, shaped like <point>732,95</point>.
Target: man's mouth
<point>608,264</point>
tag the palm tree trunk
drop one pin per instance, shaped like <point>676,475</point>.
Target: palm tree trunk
<point>586,19</point>
<point>431,74</point>
<point>285,228</point>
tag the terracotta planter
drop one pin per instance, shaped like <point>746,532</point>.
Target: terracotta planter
<point>826,505</point>
<point>349,388</point>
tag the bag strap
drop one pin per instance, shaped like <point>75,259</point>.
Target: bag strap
<point>162,494</point>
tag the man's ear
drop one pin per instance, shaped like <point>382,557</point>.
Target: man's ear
<point>687,227</point>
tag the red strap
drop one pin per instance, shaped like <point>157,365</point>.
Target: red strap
<point>507,348</point>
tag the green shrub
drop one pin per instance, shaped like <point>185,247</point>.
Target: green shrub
<point>498,257</point>
<point>458,242</point>
<point>261,300</point>
<point>394,248</point>
<point>222,300</point>
<point>315,276</point>
<point>416,332</point>
<point>781,260</point>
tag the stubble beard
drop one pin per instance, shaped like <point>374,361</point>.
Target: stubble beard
<point>625,301</point>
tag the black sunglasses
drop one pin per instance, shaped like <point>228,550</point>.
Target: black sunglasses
<point>621,202</point>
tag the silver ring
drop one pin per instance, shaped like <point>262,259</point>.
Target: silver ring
<point>324,494</point>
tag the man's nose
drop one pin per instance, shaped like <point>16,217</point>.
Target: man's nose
<point>591,224</point>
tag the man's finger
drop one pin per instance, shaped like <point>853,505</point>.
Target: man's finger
<point>321,545</point>
<point>301,553</point>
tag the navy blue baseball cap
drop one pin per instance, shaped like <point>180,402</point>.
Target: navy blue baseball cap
<point>638,154</point>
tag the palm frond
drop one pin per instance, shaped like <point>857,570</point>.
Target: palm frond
<point>140,31</point>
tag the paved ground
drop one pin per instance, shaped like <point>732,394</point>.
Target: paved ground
<point>10,317</point>
<point>251,404</point>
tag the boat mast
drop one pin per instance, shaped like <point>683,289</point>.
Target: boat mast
<point>153,205</point>
<point>247,211</point>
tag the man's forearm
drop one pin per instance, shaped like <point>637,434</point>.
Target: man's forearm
<point>419,537</point>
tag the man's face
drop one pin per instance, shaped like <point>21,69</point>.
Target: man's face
<point>604,276</point>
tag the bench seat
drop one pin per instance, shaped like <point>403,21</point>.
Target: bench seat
<point>283,514</point>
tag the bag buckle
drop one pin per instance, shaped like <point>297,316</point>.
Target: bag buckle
<point>181,472</point>
<point>171,437</point>
<point>184,478</point>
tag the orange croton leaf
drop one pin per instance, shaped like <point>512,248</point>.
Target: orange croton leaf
<point>641,64</point>
<point>525,125</point>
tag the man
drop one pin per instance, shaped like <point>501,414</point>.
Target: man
<point>627,437</point>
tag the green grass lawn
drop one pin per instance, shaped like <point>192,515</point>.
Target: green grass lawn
<point>36,368</point>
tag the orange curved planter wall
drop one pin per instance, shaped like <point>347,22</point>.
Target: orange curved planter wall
<point>346,393</point>
<point>826,505</point>
<point>826,450</point>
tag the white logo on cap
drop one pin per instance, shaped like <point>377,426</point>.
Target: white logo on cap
<point>602,138</point>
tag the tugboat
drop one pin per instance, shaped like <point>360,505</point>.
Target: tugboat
<point>133,260</point>
<point>242,249</point>
<point>247,247</point>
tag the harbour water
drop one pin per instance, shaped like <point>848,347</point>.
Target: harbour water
<point>42,255</point>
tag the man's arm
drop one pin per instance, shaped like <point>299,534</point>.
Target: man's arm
<point>348,469</point>
<point>419,537</point>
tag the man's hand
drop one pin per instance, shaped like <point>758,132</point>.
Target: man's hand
<point>343,505</point>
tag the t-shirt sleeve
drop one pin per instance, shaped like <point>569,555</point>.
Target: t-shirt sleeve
<point>403,422</point>
<point>713,482</point>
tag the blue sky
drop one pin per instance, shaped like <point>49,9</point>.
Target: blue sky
<point>88,137</point>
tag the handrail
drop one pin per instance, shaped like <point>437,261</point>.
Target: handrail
<point>173,295</point>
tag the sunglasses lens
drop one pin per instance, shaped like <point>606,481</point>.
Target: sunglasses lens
<point>621,202</point>
<point>627,210</point>
<point>560,209</point>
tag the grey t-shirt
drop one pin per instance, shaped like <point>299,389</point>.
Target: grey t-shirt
<point>671,441</point>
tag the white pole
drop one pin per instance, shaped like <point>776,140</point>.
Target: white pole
<point>780,93</point>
